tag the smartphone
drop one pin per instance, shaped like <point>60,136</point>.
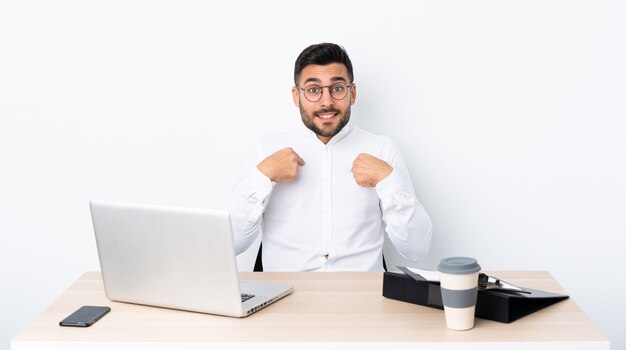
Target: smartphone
<point>85,316</point>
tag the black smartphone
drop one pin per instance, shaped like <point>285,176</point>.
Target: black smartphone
<point>85,316</point>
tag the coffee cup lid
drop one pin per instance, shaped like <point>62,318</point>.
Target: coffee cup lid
<point>458,265</point>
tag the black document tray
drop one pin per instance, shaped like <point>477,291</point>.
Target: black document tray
<point>490,304</point>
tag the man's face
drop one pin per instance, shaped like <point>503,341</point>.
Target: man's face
<point>326,116</point>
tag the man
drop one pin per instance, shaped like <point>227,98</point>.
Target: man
<point>323,194</point>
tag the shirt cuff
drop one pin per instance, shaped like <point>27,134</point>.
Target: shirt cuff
<point>261,182</point>
<point>389,186</point>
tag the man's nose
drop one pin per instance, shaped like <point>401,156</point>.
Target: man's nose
<point>326,99</point>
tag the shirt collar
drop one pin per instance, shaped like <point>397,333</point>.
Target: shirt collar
<point>308,133</point>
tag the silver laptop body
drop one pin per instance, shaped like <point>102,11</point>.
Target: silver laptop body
<point>179,258</point>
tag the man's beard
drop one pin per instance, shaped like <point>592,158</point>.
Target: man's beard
<point>308,121</point>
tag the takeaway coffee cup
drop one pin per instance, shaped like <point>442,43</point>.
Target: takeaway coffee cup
<point>459,288</point>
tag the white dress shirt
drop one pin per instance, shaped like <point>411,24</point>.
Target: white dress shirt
<point>324,220</point>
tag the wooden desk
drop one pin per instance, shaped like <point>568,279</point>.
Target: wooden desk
<point>342,310</point>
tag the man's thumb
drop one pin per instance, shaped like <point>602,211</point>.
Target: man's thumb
<point>300,161</point>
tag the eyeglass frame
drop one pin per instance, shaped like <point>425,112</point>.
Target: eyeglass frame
<point>327,86</point>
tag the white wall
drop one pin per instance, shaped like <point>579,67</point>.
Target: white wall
<point>510,115</point>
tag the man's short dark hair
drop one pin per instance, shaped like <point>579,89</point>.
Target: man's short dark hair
<point>322,54</point>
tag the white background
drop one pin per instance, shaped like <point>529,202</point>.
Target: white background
<point>510,115</point>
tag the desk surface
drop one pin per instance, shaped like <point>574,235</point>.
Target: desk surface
<point>341,308</point>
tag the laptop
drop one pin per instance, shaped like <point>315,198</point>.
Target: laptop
<point>178,258</point>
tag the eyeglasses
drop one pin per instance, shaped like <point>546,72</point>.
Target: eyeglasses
<point>338,91</point>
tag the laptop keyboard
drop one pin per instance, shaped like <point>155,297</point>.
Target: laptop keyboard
<point>245,297</point>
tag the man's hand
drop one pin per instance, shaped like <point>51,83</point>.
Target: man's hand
<point>368,170</point>
<point>281,166</point>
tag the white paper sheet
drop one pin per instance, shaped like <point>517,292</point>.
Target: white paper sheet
<point>430,275</point>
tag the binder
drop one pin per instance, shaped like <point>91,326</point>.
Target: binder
<point>490,304</point>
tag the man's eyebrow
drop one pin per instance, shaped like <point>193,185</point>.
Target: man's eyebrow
<point>317,80</point>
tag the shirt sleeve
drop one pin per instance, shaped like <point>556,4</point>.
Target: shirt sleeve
<point>406,221</point>
<point>247,203</point>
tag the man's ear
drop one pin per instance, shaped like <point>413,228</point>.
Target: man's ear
<point>296,96</point>
<point>352,94</point>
